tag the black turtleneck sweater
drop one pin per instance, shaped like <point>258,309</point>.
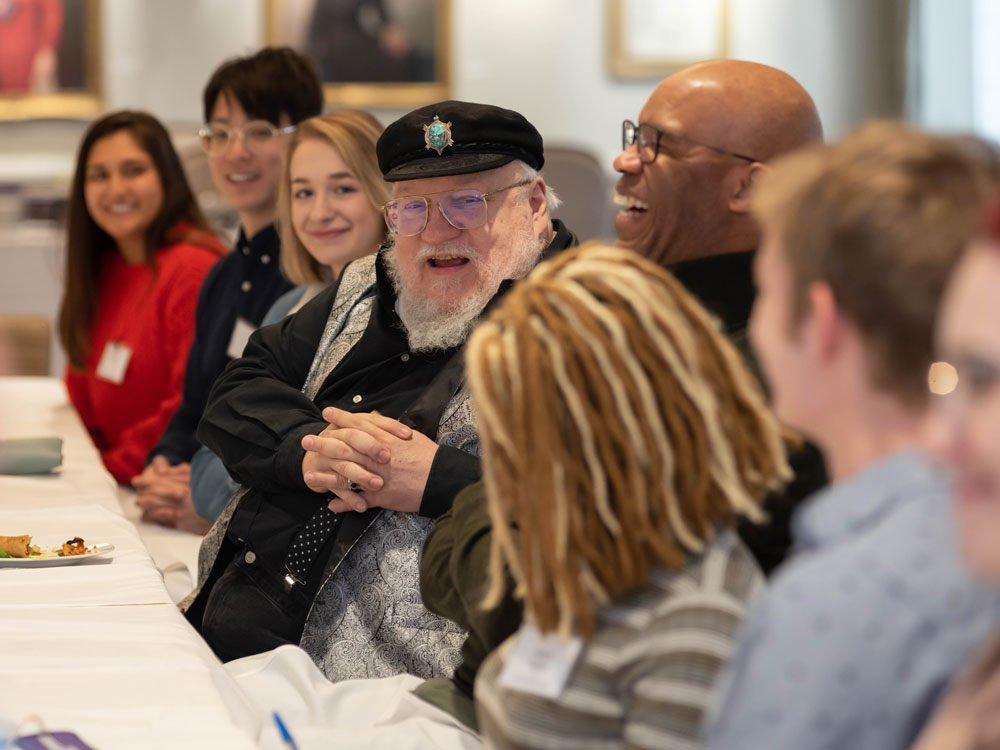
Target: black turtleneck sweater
<point>724,285</point>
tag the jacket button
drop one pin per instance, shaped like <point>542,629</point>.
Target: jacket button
<point>356,399</point>
<point>250,557</point>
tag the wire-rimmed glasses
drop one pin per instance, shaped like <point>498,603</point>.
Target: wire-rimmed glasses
<point>463,209</point>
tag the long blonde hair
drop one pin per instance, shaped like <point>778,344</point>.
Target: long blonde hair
<point>619,429</point>
<point>353,133</point>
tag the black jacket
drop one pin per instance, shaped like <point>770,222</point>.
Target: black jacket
<point>257,415</point>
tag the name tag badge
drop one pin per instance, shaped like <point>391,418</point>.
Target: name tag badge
<point>238,341</point>
<point>114,362</point>
<point>540,664</point>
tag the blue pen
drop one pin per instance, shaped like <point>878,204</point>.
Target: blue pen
<point>286,736</point>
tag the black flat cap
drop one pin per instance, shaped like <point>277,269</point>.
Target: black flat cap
<point>452,137</point>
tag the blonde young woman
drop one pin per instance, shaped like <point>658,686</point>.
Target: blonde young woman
<point>329,204</point>
<point>329,213</point>
<point>622,437</point>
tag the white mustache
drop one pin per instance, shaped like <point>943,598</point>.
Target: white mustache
<point>447,250</point>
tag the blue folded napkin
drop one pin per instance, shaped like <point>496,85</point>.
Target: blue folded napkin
<point>30,455</point>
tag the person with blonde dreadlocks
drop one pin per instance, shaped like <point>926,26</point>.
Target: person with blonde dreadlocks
<point>616,531</point>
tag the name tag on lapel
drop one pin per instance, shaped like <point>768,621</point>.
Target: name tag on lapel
<point>242,331</point>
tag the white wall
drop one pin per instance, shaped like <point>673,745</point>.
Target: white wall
<point>946,36</point>
<point>158,55</point>
<point>545,58</point>
<point>986,67</point>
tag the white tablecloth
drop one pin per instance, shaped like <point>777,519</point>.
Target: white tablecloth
<point>356,714</point>
<point>98,648</point>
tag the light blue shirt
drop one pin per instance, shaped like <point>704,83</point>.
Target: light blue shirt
<point>863,628</point>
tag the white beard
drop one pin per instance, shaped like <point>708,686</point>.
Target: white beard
<point>430,326</point>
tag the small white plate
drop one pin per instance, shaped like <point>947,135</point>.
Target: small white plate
<point>48,562</point>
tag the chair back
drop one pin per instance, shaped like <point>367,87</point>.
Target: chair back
<point>585,189</point>
<point>24,344</point>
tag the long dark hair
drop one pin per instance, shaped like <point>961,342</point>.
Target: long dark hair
<point>179,219</point>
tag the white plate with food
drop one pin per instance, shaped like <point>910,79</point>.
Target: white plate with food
<point>19,552</point>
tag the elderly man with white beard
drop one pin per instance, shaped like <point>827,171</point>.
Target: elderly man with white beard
<point>348,424</point>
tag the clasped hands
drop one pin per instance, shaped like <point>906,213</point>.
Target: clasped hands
<point>163,493</point>
<point>384,459</point>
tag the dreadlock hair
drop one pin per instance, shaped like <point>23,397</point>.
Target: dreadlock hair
<point>619,429</point>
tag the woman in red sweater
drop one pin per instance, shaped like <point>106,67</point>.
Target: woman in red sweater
<point>138,249</point>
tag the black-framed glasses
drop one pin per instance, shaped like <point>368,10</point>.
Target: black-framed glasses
<point>253,134</point>
<point>651,140</point>
<point>463,209</point>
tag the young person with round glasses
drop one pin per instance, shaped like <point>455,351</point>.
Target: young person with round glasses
<point>251,106</point>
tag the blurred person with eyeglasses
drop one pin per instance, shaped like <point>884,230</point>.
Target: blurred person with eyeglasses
<point>251,106</point>
<point>349,424</point>
<point>688,167</point>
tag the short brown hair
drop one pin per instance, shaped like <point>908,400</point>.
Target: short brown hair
<point>620,431</point>
<point>353,133</point>
<point>881,217</point>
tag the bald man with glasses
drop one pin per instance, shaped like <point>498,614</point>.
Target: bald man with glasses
<point>348,424</point>
<point>703,138</point>
<point>688,167</point>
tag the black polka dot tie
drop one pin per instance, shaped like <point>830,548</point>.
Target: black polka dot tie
<point>306,546</point>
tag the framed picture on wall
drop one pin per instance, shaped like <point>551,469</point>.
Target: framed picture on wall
<point>370,53</point>
<point>652,38</point>
<point>49,58</point>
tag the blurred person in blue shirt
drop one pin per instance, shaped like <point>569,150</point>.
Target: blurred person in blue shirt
<point>871,618</point>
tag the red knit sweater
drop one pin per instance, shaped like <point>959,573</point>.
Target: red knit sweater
<point>154,317</point>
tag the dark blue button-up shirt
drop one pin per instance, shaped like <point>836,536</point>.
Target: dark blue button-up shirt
<point>243,284</point>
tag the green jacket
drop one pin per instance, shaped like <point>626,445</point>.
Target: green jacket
<point>453,581</point>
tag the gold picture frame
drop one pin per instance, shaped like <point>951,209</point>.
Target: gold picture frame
<point>291,22</point>
<point>653,38</point>
<point>77,62</point>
